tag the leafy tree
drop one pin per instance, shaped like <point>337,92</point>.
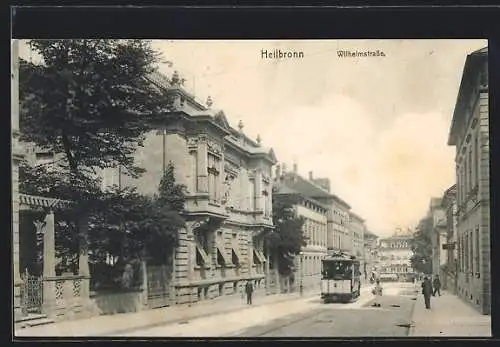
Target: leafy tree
<point>421,259</point>
<point>90,101</point>
<point>287,239</point>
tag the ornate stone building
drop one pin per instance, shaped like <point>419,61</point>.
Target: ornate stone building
<point>469,134</point>
<point>229,190</point>
<point>308,264</point>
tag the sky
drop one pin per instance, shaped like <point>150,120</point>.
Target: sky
<point>377,127</point>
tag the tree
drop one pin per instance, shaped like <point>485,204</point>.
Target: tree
<point>287,239</point>
<point>90,101</point>
<point>128,225</point>
<point>421,259</point>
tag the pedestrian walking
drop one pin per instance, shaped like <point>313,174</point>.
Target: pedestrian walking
<point>301,288</point>
<point>427,292</point>
<point>249,292</point>
<point>377,291</point>
<point>437,286</point>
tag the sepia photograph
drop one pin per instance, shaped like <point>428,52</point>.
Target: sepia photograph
<point>250,188</point>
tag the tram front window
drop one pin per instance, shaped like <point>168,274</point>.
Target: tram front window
<point>337,270</point>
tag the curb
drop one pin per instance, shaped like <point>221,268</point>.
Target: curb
<point>202,315</point>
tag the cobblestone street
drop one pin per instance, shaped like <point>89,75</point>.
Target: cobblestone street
<point>346,320</point>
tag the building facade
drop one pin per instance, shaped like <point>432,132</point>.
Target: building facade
<point>449,270</point>
<point>339,231</point>
<point>437,216</point>
<point>371,255</point>
<point>357,231</point>
<point>308,264</point>
<point>469,133</point>
<point>228,180</point>
<point>395,253</point>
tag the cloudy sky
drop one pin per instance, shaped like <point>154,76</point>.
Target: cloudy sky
<point>376,126</point>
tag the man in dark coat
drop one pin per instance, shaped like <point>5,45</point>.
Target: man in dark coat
<point>427,292</point>
<point>437,286</point>
<point>249,291</point>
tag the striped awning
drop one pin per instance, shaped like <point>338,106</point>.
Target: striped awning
<point>41,201</point>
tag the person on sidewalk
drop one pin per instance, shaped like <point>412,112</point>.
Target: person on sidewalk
<point>427,292</point>
<point>377,291</point>
<point>249,291</point>
<point>437,286</point>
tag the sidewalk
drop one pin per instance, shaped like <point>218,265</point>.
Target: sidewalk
<point>112,325</point>
<point>448,316</point>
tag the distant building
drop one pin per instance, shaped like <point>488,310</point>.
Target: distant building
<point>449,270</point>
<point>437,216</point>
<point>308,264</point>
<point>394,254</point>
<point>338,232</point>
<point>371,256</point>
<point>469,133</point>
<point>357,230</point>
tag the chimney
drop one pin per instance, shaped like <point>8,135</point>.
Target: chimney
<point>310,175</point>
<point>295,168</point>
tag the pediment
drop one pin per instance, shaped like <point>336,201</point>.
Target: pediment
<point>272,155</point>
<point>220,119</point>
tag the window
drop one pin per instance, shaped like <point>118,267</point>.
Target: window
<point>459,186</point>
<point>214,178</point>
<point>465,180</point>
<point>470,170</point>
<point>478,270</point>
<point>476,158</point>
<point>471,259</point>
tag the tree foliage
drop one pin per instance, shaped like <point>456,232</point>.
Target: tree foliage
<point>288,238</point>
<point>90,100</point>
<point>421,259</point>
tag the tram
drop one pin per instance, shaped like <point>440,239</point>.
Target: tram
<point>340,278</point>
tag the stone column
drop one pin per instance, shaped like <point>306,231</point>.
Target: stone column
<point>83,260</point>
<point>258,191</point>
<point>49,266</point>
<point>202,158</point>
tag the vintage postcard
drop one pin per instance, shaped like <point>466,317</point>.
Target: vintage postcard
<point>250,188</point>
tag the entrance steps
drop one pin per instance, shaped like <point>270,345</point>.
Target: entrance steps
<point>33,320</point>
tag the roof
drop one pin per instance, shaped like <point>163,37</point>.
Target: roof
<point>355,216</point>
<point>369,234</point>
<point>284,189</point>
<point>397,237</point>
<point>470,67</point>
<point>310,189</point>
<point>216,116</point>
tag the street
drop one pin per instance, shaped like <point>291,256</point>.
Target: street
<point>302,317</point>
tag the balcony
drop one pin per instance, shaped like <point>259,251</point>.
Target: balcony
<point>201,204</point>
